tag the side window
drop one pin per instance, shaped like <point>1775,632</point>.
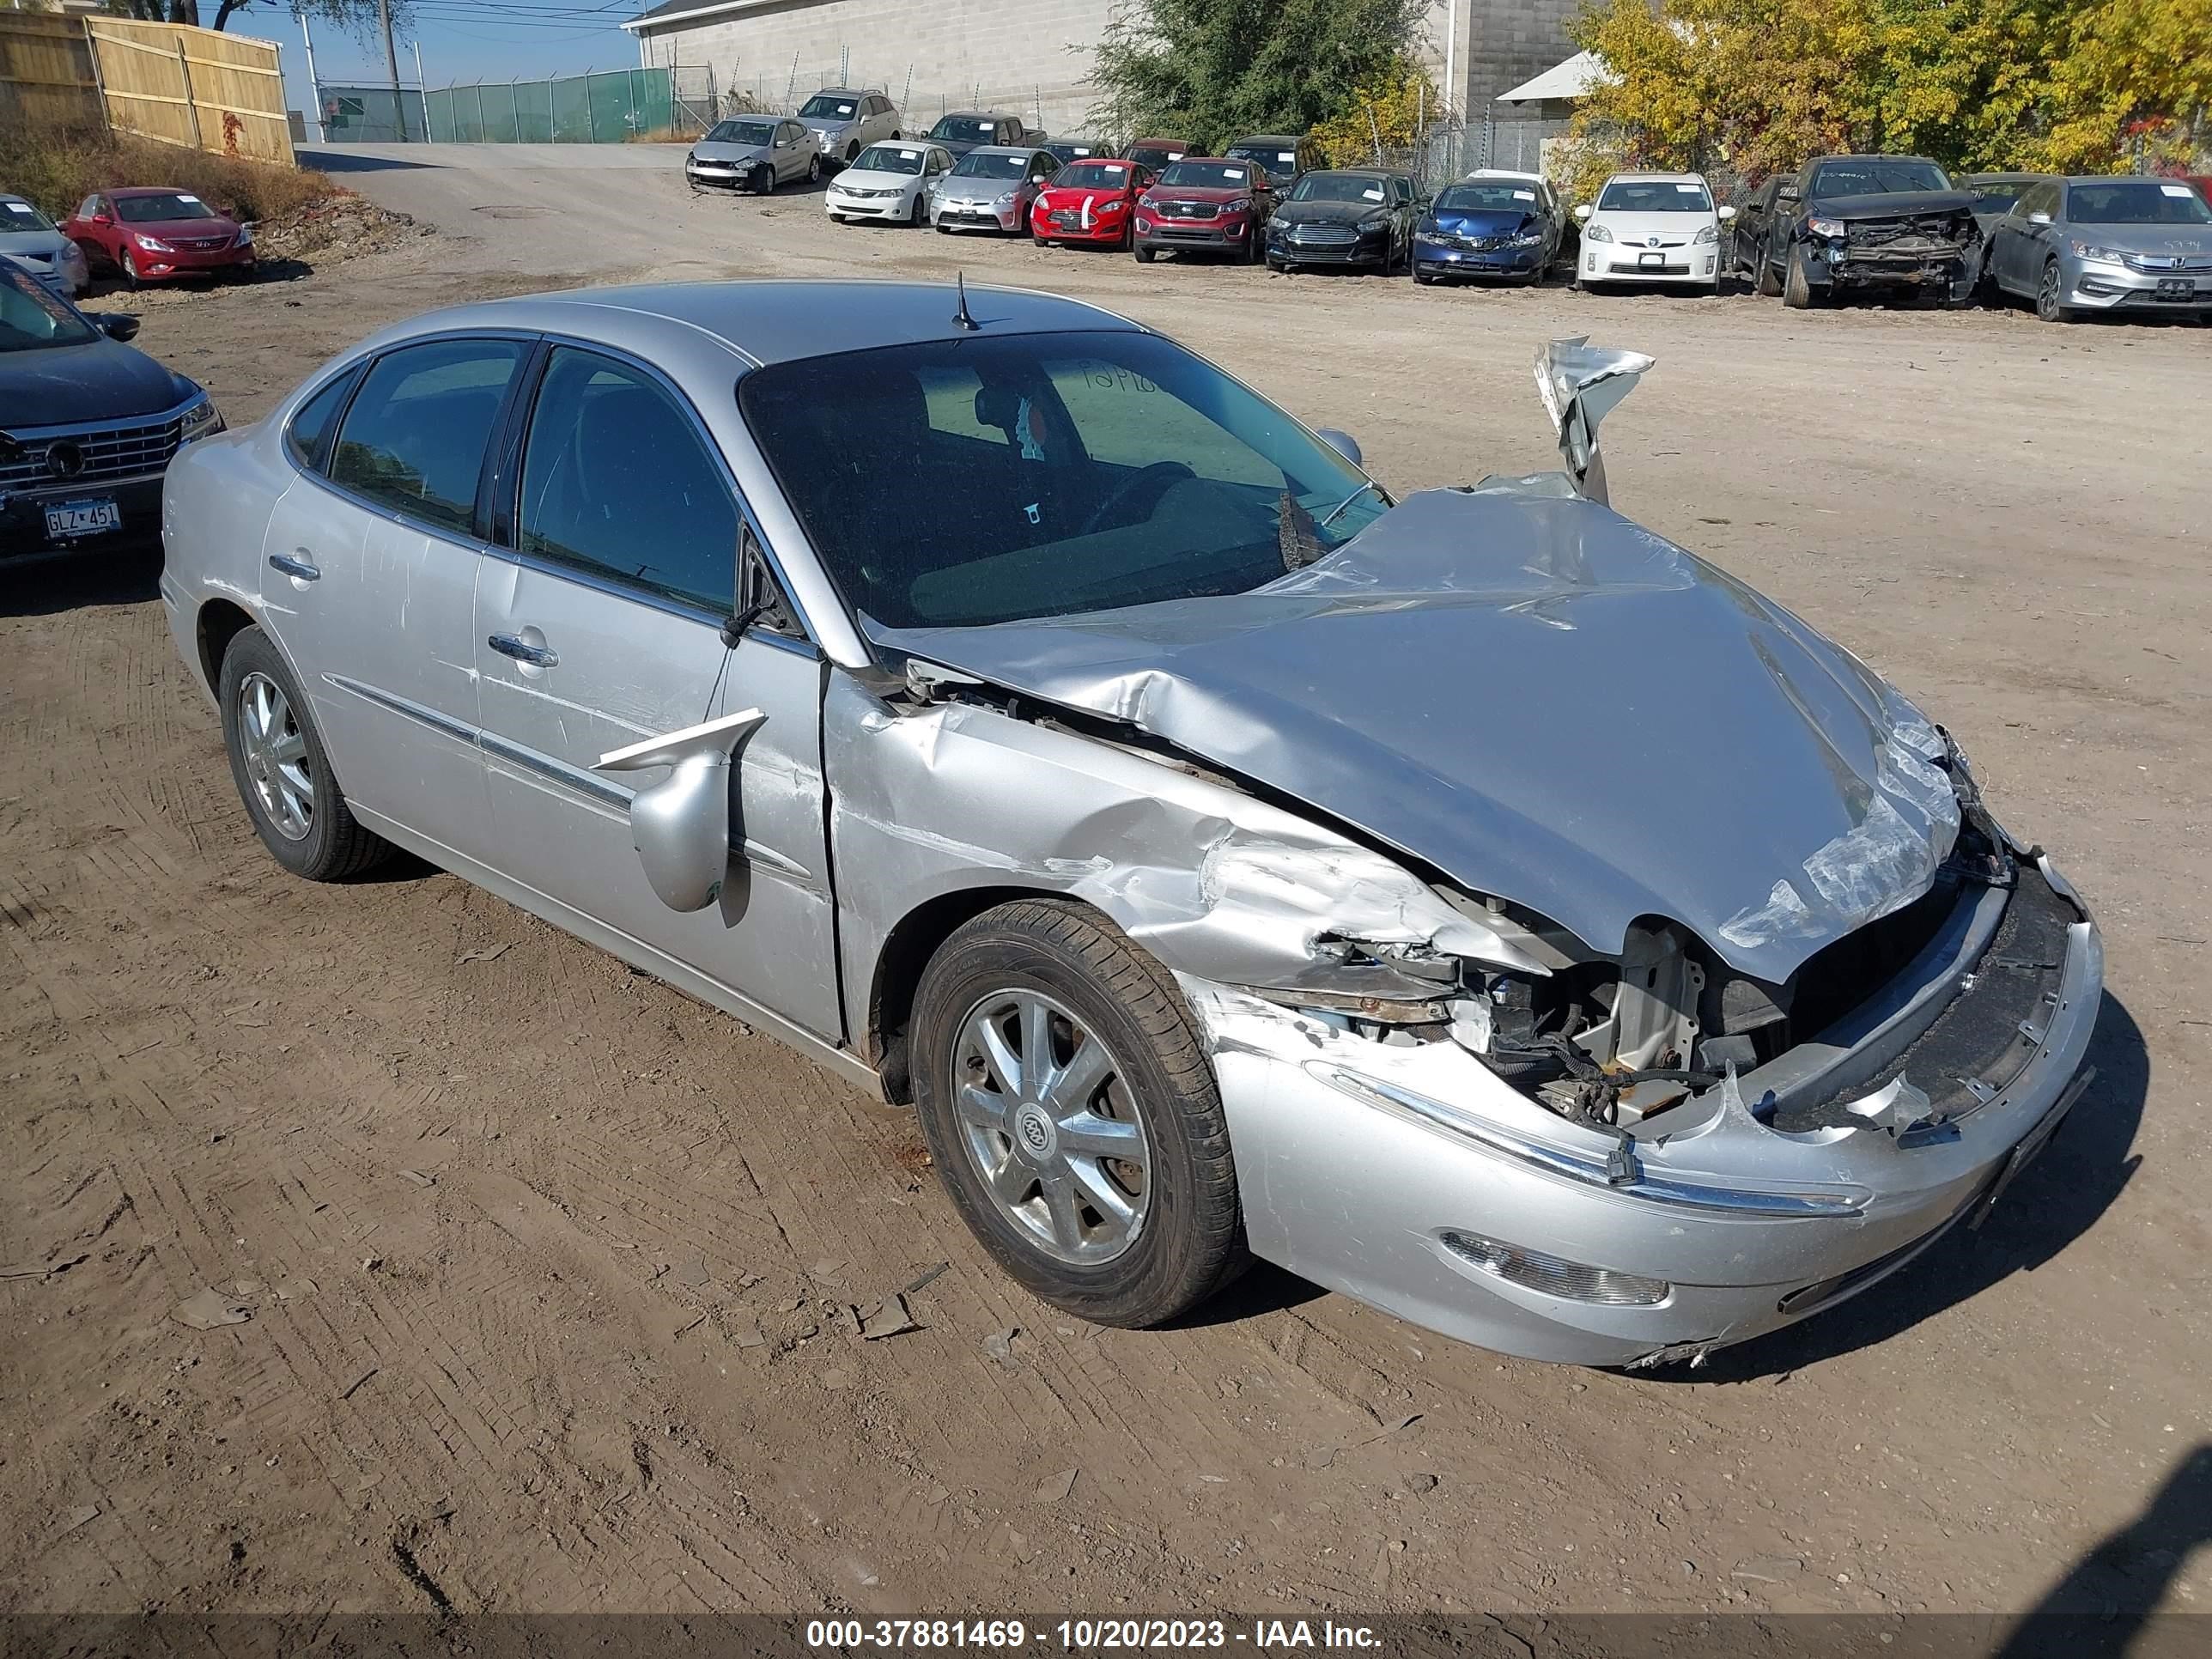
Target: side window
<point>618,481</point>
<point>91,206</point>
<point>309,434</point>
<point>414,438</point>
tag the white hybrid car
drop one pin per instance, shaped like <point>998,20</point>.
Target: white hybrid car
<point>894,180</point>
<point>1649,227</point>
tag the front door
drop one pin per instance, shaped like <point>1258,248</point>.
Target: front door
<point>602,626</point>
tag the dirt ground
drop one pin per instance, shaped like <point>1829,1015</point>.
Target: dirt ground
<point>546,1267</point>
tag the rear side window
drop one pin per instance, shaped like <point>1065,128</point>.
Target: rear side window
<point>309,437</point>
<point>415,439</point>
<point>617,480</point>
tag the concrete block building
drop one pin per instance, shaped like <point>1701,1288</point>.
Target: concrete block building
<point>1033,57</point>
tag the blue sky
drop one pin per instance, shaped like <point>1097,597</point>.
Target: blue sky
<point>461,41</point>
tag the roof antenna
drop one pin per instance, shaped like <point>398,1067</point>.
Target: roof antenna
<point>961,320</point>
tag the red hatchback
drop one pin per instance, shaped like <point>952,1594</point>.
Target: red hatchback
<point>158,235</point>
<point>1092,201</point>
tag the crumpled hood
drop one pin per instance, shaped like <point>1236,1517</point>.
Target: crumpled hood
<point>1892,204</point>
<point>1482,222</point>
<point>1545,701</point>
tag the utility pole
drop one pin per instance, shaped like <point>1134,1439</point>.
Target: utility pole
<point>391,65</point>
<point>315,86</point>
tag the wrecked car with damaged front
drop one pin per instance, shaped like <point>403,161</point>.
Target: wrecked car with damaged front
<point>1124,808</point>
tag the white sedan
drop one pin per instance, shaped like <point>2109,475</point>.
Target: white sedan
<point>893,181</point>
<point>1652,228</point>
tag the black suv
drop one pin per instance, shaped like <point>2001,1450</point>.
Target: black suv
<point>1864,223</point>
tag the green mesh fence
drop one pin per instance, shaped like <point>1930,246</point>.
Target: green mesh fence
<point>604,108</point>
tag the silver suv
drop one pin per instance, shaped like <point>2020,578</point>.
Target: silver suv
<point>845,122</point>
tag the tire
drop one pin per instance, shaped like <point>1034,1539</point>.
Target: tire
<point>129,267</point>
<point>2048,288</point>
<point>836,218</point>
<point>1115,1250</point>
<point>853,152</point>
<point>1766,282</point>
<point>325,843</point>
<point>814,169</point>
<point>1797,286</point>
<point>1147,255</point>
<point>1423,279</point>
<point>915,217</point>
<point>1039,238</point>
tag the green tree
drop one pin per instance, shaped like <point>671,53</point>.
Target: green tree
<point>2134,72</point>
<point>1388,111</point>
<point>1212,70</point>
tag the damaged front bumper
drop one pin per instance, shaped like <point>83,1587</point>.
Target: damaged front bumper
<point>1411,1177</point>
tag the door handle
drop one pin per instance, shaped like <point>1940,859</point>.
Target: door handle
<point>538,656</point>
<point>296,564</point>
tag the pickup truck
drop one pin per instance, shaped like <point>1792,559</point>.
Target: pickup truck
<point>1890,224</point>
<point>969,129</point>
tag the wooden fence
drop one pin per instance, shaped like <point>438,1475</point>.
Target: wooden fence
<point>192,87</point>
<point>168,81</point>
<point>46,76</point>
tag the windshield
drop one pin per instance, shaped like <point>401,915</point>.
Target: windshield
<point>965,129</point>
<point>743,132</point>
<point>1653,196</point>
<point>822,106</point>
<point>1093,175</point>
<point>1067,472</point>
<point>1340,187</point>
<point>1156,156</point>
<point>1997,197</point>
<point>979,164</point>
<point>1876,177</point>
<point>889,158</point>
<point>16,217</point>
<point>31,318</point>
<point>1072,152</point>
<point>2135,201</point>
<point>1487,198</point>
<point>1208,175</point>
<point>153,209</point>
<point>1274,159</point>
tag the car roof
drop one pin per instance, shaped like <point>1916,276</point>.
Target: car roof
<point>1659,178</point>
<point>1502,173</point>
<point>2005,178</point>
<point>978,115</point>
<point>1873,155</point>
<point>144,190</point>
<point>845,92</point>
<point>1292,139</point>
<point>1002,149</point>
<point>25,200</point>
<point>771,321</point>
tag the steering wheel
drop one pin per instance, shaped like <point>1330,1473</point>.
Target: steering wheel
<point>1158,477</point>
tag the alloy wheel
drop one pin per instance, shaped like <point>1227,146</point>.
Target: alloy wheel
<point>2048,304</point>
<point>1046,1115</point>
<point>275,753</point>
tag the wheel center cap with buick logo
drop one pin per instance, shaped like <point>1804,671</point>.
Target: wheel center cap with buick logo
<point>1034,1130</point>
<point>65,459</point>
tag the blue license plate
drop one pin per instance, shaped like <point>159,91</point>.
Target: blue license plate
<point>67,520</point>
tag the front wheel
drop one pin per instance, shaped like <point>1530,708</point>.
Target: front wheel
<point>917,215</point>
<point>2050,295</point>
<point>1039,238</point>
<point>764,178</point>
<point>1073,1116</point>
<point>814,169</point>
<point>1797,288</point>
<point>283,776</point>
<point>130,268</point>
<point>1147,255</point>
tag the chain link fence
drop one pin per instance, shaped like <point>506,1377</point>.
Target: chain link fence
<point>610,106</point>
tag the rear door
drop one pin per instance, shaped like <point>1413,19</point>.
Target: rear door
<point>599,623</point>
<point>372,558</point>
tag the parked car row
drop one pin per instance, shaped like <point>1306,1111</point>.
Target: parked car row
<point>149,234</point>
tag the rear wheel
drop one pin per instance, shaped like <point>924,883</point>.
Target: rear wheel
<point>277,760</point>
<point>1073,1114</point>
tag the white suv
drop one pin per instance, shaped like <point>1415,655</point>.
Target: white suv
<point>1652,228</point>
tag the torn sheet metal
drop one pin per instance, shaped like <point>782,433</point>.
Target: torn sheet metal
<point>952,796</point>
<point>1580,384</point>
<point>1541,700</point>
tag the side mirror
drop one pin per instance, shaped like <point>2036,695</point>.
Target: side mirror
<point>116,325</point>
<point>2039,218</point>
<point>680,826</point>
<point>1581,212</point>
<point>1342,442</point>
<point>103,218</point>
<point>1727,214</point>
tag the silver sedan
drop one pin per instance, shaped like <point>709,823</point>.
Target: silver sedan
<point>2074,247</point>
<point>1120,813</point>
